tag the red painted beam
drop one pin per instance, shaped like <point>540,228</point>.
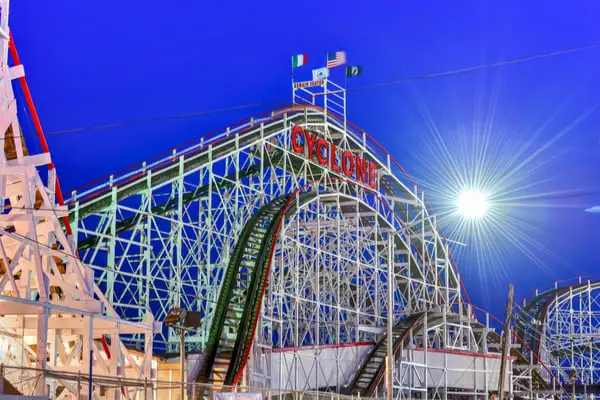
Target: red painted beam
<point>465,353</point>
<point>322,347</point>
<point>38,127</point>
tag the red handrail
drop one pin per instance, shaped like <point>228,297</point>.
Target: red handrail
<point>38,127</point>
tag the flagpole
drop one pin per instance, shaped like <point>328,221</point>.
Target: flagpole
<point>325,91</point>
<point>345,98</point>
<point>293,90</point>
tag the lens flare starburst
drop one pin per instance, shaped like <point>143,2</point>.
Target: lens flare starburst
<point>472,203</point>
<point>491,189</point>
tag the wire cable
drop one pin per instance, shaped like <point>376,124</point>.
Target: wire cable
<point>358,88</point>
<point>163,118</point>
<point>478,67</point>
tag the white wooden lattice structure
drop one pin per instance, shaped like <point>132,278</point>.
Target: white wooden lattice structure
<point>52,315</point>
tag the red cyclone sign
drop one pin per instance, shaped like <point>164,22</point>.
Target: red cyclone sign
<point>326,153</point>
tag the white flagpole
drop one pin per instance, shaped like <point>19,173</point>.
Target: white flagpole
<point>345,97</point>
<point>293,89</point>
<point>325,90</point>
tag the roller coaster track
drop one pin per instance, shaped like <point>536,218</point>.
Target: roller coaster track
<point>530,324</point>
<point>369,374</point>
<point>244,280</point>
<point>535,311</point>
<point>238,305</point>
<point>241,294</point>
<point>94,200</point>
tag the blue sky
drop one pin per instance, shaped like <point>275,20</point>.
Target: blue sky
<point>99,63</point>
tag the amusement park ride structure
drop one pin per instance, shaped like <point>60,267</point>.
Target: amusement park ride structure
<point>309,253</point>
<point>54,316</point>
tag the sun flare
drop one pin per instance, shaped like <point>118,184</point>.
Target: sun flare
<point>472,204</point>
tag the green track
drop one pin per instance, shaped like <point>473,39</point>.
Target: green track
<point>240,298</point>
<point>367,375</point>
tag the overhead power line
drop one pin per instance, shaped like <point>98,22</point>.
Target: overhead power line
<point>357,88</point>
<point>478,67</point>
<point>163,118</point>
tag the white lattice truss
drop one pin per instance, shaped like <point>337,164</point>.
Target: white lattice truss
<point>571,334</point>
<point>52,314</point>
<point>160,235</point>
<point>442,334</point>
<point>148,256</point>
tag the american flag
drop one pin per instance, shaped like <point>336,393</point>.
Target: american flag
<point>336,59</point>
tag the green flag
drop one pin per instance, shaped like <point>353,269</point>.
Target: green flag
<point>299,60</point>
<point>353,70</point>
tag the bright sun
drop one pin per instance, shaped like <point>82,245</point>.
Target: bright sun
<point>472,204</point>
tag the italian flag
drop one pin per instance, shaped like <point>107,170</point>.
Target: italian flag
<point>299,60</point>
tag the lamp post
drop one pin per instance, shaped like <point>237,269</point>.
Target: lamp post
<point>182,320</point>
<point>182,361</point>
<point>176,319</point>
<point>572,377</point>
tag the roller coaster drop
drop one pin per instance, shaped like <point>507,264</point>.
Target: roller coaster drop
<point>294,234</point>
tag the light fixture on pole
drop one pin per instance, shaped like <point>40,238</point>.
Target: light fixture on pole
<point>182,320</point>
<point>572,377</point>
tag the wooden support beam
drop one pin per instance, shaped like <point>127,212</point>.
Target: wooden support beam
<point>505,342</point>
